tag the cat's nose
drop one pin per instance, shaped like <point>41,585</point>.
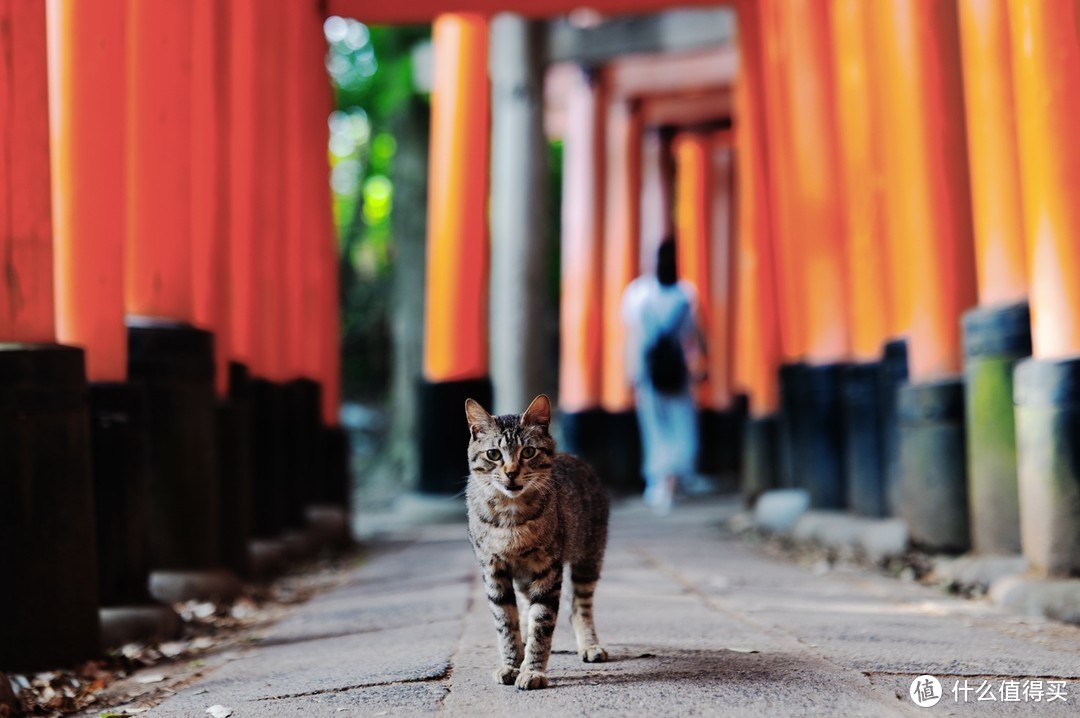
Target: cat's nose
<point>511,472</point>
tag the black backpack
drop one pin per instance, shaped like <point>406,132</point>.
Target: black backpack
<point>665,361</point>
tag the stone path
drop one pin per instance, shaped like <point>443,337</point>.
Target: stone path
<point>697,622</point>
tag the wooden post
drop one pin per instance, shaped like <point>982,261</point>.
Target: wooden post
<point>456,302</point>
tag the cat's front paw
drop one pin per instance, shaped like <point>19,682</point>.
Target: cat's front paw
<point>593,654</point>
<point>505,675</point>
<point>531,680</point>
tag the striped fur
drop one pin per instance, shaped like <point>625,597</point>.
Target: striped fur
<point>532,512</point>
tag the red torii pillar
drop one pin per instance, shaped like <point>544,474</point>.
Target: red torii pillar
<point>581,318</point>
<point>997,334</point>
<point>757,323</point>
<point>89,104</point>
<point>811,245</point>
<point>172,358</point>
<point>916,56</point>
<point>621,229</point>
<point>47,546</point>
<point>867,417</point>
<point>1046,66</point>
<point>456,312</point>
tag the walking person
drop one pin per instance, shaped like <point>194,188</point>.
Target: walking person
<point>665,357</point>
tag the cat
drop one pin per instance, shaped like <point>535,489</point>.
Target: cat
<point>533,511</point>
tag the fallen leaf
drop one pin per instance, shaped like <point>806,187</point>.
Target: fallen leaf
<point>151,678</point>
<point>744,650</point>
<point>219,711</point>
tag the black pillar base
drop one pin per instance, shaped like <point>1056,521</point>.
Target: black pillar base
<point>761,464</point>
<point>789,377</point>
<point>175,363</point>
<point>933,465</point>
<point>720,438</point>
<point>121,470</point>
<point>48,559</point>
<point>995,339</point>
<point>863,441</point>
<point>336,488</point>
<point>268,457</point>
<point>1047,394</point>
<point>234,470</point>
<point>621,453</point>
<point>817,434</point>
<point>894,373</point>
<point>586,434</point>
<point>305,426</point>
<point>444,432</point>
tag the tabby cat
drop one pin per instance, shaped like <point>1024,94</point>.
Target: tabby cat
<point>533,511</point>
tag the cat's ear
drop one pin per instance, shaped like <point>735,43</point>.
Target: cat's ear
<point>479,419</point>
<point>539,412</point>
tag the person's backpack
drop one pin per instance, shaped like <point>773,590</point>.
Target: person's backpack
<point>665,361</point>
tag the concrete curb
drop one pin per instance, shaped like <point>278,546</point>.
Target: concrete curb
<point>128,624</point>
<point>178,586</point>
<point>1004,579</point>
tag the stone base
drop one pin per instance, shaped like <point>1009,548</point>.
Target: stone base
<point>444,432</point>
<point>995,339</point>
<point>130,624</point>
<point>1047,394</point>
<point>330,525</point>
<point>219,586</point>
<point>933,461</point>
<point>267,557</point>
<point>1057,599</point>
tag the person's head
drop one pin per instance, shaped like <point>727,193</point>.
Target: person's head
<point>666,269</point>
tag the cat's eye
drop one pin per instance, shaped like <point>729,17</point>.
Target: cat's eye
<point>528,452</point>
<point>494,454</point>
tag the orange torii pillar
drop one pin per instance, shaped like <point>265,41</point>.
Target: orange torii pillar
<point>87,81</point>
<point>774,119</point>
<point>756,354</point>
<point>997,334</point>
<point>581,320</point>
<point>704,260</point>
<point>456,303</point>
<point>622,192</point>
<point>172,358</point>
<point>916,55</point>
<point>321,358</point>
<point>1046,66</point>
<point>866,417</point>
<point>655,220</point>
<point>47,546</point>
<point>812,389</point>
<point>311,302</point>
<point>211,277</point>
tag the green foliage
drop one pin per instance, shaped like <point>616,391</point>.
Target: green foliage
<point>372,73</point>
